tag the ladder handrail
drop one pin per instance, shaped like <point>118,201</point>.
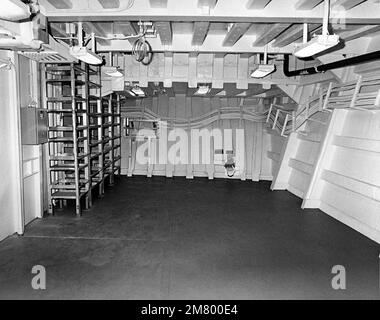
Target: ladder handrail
<point>348,96</point>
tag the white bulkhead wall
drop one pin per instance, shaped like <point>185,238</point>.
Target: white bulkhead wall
<point>10,187</point>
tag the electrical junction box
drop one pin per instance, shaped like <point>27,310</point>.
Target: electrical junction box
<point>34,126</point>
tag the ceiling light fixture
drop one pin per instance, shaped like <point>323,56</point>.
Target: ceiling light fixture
<point>113,72</point>
<point>138,92</point>
<point>130,92</point>
<point>203,90</point>
<point>83,53</point>
<point>14,10</point>
<point>319,43</point>
<point>263,70</point>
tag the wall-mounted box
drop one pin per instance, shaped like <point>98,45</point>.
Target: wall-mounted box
<point>34,126</point>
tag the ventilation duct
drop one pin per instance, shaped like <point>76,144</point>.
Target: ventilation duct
<point>14,10</point>
<point>28,35</point>
<point>53,52</point>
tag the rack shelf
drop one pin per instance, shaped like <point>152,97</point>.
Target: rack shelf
<point>57,69</point>
<point>65,99</point>
<point>67,167</point>
<point>67,139</point>
<point>65,80</point>
<point>66,195</point>
<point>66,129</point>
<point>67,157</point>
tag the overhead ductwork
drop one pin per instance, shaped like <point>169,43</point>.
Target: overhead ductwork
<point>14,10</point>
<point>368,57</point>
<point>27,35</point>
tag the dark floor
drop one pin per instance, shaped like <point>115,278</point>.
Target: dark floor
<point>190,239</point>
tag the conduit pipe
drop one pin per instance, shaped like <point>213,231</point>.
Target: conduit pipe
<point>330,66</point>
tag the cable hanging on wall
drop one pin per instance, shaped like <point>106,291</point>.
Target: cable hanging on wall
<point>141,49</point>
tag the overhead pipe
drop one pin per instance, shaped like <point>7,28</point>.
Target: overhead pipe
<point>330,66</point>
<point>326,18</point>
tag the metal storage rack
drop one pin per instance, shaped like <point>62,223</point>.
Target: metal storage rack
<point>67,105</point>
<point>96,123</point>
<point>84,133</point>
<point>112,136</point>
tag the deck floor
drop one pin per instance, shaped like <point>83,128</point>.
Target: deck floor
<point>174,238</point>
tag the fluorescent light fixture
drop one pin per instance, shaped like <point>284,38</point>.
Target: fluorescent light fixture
<point>202,90</point>
<point>113,72</point>
<point>317,45</point>
<point>14,10</point>
<point>263,70</point>
<point>130,92</point>
<point>137,91</point>
<point>82,53</point>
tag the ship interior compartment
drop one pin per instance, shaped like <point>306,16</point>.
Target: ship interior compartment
<point>198,149</point>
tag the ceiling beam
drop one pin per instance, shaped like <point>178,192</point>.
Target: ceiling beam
<point>307,4</point>
<point>275,92</point>
<point>199,33</point>
<point>212,45</point>
<point>232,90</point>
<point>292,34</point>
<point>109,4</point>
<point>348,4</point>
<point>125,28</point>
<point>58,29</point>
<point>257,4</point>
<point>164,29</point>
<point>270,33</point>
<point>158,3</point>
<point>207,3</point>
<point>61,4</point>
<point>359,33</point>
<point>215,91</point>
<point>235,32</point>
<point>295,17</point>
<point>256,90</point>
<point>225,11</point>
<point>99,30</point>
